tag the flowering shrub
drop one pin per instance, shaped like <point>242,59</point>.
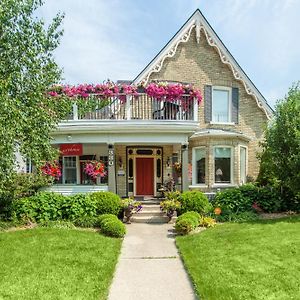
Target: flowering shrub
<point>95,168</point>
<point>52,169</point>
<point>160,91</point>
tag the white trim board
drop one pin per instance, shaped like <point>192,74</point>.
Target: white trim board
<point>198,21</point>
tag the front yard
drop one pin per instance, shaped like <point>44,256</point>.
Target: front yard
<point>255,260</point>
<point>46,263</point>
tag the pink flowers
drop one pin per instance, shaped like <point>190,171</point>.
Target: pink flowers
<point>160,91</point>
<point>94,169</point>
<point>52,169</point>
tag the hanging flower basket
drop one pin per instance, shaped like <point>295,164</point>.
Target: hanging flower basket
<point>51,169</point>
<point>95,169</point>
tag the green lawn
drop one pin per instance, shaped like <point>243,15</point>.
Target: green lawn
<point>259,260</point>
<point>46,263</point>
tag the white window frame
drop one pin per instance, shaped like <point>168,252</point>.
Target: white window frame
<point>216,184</point>
<point>77,170</point>
<point>246,166</point>
<point>194,169</point>
<point>229,90</point>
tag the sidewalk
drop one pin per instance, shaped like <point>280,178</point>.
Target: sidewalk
<point>149,267</point>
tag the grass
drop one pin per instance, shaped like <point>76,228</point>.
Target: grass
<point>46,263</point>
<point>256,260</point>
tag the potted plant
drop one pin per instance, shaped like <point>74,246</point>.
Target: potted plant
<point>170,207</point>
<point>130,207</point>
<point>95,169</point>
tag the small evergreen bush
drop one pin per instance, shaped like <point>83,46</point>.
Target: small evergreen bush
<point>105,217</point>
<point>192,215</point>
<point>113,227</point>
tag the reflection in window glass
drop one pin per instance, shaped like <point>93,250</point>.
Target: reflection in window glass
<point>200,165</point>
<point>220,107</point>
<point>222,165</point>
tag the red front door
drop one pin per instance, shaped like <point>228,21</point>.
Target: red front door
<point>144,176</point>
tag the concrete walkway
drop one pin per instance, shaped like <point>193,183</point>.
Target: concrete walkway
<point>149,267</point>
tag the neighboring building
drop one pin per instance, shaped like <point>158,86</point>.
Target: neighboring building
<point>140,140</point>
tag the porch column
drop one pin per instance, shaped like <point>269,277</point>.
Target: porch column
<point>185,167</point>
<point>111,169</point>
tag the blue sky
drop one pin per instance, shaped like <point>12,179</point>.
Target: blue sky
<point>116,39</point>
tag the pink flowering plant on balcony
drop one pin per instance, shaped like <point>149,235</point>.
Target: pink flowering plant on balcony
<point>95,169</point>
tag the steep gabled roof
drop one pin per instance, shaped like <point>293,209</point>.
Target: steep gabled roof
<point>198,21</point>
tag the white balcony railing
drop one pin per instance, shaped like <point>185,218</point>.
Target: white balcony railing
<point>141,107</point>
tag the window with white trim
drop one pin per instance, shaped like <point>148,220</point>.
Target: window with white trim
<point>223,164</point>
<point>69,169</point>
<point>199,161</point>
<point>243,164</point>
<point>221,105</point>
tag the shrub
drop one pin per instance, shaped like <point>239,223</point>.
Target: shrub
<point>207,222</point>
<point>44,206</point>
<point>232,200</point>
<point>184,226</point>
<point>192,215</point>
<point>114,228</point>
<point>86,221</point>
<point>269,199</point>
<point>237,217</point>
<point>77,207</point>
<point>106,203</point>
<point>194,201</point>
<point>103,218</point>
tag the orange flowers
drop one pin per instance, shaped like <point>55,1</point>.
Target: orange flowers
<point>217,211</point>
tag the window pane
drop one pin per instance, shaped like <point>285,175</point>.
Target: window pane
<point>69,169</point>
<point>243,164</point>
<point>220,111</point>
<point>200,165</point>
<point>222,165</point>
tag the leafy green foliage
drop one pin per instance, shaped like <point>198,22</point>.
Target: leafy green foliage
<point>280,160</point>
<point>207,222</point>
<point>184,226</point>
<point>57,224</point>
<point>187,222</point>
<point>194,201</point>
<point>105,217</point>
<point>244,216</point>
<point>27,69</point>
<point>106,203</point>
<point>80,209</point>
<point>113,227</point>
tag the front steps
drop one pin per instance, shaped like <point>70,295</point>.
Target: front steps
<point>151,213</point>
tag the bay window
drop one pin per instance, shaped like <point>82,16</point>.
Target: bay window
<point>223,164</point>
<point>243,164</point>
<point>199,165</point>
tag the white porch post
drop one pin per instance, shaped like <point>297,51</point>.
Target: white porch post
<point>111,169</point>
<point>196,110</point>
<point>185,167</point>
<point>128,107</point>
<point>75,111</point>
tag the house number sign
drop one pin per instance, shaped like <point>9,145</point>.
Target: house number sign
<point>111,157</point>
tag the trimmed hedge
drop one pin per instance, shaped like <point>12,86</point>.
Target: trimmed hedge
<point>112,226</point>
<point>194,201</point>
<point>80,208</point>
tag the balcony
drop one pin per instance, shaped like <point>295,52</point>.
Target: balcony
<point>139,107</point>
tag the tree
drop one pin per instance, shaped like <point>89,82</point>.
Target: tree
<point>281,156</point>
<point>27,70</point>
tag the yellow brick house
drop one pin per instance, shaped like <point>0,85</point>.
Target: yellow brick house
<point>215,143</point>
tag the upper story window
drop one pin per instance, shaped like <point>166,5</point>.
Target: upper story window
<point>221,105</point>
